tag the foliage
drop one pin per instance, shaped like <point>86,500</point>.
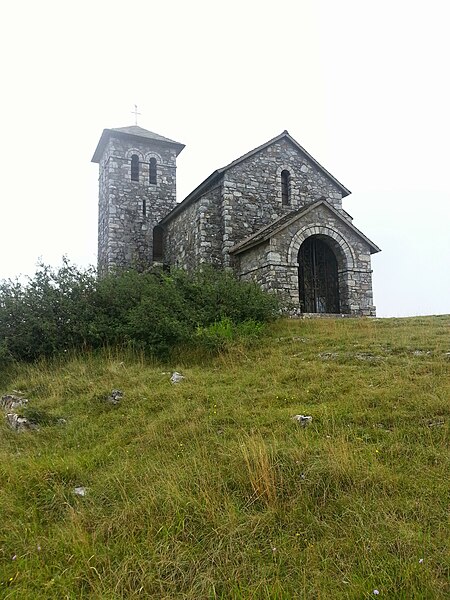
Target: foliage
<point>68,308</point>
<point>209,489</point>
<point>220,335</point>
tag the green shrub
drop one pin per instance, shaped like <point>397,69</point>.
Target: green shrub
<point>68,308</point>
<point>218,335</point>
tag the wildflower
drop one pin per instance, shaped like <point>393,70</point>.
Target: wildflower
<point>376,592</point>
<point>14,557</point>
<point>420,561</point>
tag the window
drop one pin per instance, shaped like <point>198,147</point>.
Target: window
<point>152,171</point>
<point>158,234</point>
<point>135,167</point>
<point>285,188</point>
<point>144,207</point>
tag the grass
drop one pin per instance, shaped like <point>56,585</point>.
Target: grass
<point>208,489</point>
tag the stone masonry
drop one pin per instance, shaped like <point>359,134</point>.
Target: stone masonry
<point>251,216</point>
<point>129,210</point>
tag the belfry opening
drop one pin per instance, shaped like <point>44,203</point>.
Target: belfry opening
<point>318,277</point>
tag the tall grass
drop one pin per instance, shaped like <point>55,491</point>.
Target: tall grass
<point>208,488</point>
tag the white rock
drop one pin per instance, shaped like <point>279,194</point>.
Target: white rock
<point>176,377</point>
<point>304,420</point>
<point>80,491</point>
<point>19,423</point>
<point>11,402</point>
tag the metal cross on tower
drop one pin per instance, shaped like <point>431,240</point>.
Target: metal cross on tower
<point>135,113</point>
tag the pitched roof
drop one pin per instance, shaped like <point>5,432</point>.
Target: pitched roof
<point>132,132</point>
<point>278,225</point>
<point>216,175</point>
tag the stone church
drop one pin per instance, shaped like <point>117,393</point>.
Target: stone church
<point>274,216</point>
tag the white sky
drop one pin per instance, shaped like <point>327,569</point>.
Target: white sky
<point>363,86</point>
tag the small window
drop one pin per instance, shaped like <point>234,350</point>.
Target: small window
<point>144,207</point>
<point>152,171</point>
<point>135,167</point>
<point>285,188</point>
<point>158,235</point>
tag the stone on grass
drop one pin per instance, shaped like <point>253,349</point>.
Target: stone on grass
<point>80,491</point>
<point>11,402</point>
<point>304,420</point>
<point>176,377</point>
<point>19,423</point>
<point>115,397</point>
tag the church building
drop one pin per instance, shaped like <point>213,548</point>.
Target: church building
<point>274,216</point>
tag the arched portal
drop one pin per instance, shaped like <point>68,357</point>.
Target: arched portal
<point>318,277</point>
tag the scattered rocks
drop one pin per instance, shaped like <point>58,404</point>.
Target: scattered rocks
<point>304,420</point>
<point>435,423</point>
<point>11,402</point>
<point>18,423</point>
<point>176,377</point>
<point>33,418</point>
<point>115,397</point>
<point>328,355</point>
<point>367,357</point>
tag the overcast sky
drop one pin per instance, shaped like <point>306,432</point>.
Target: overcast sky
<point>363,86</point>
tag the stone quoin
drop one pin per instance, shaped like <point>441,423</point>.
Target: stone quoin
<point>274,216</point>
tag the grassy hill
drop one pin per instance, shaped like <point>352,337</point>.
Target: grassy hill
<point>209,489</point>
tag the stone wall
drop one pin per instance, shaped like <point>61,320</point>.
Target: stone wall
<point>128,210</point>
<point>247,198</point>
<point>273,264</point>
<point>194,236</point>
<point>252,190</point>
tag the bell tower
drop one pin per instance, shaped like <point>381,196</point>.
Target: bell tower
<point>137,188</point>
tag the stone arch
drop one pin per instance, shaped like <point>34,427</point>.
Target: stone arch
<point>150,155</point>
<point>343,250</point>
<point>129,153</point>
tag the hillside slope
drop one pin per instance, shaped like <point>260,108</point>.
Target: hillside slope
<point>209,489</point>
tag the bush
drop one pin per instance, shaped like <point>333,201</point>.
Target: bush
<point>49,314</point>
<point>69,308</point>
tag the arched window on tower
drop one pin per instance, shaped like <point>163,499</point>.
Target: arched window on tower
<point>152,171</point>
<point>158,236</point>
<point>285,188</point>
<point>135,167</point>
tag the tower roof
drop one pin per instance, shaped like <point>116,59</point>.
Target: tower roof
<point>133,132</point>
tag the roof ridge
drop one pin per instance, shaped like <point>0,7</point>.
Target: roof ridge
<point>211,179</point>
<point>266,232</point>
<point>138,130</point>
